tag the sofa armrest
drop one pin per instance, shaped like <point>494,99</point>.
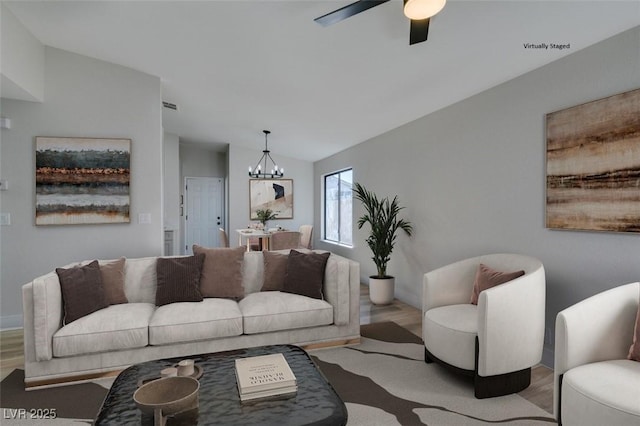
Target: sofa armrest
<point>449,285</point>
<point>337,288</point>
<point>511,322</point>
<point>47,313</point>
<point>598,328</point>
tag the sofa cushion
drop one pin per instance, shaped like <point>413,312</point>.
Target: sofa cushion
<point>186,322</point>
<point>252,271</point>
<point>117,327</point>
<point>450,332</point>
<point>274,310</point>
<point>275,269</point>
<point>487,277</point>
<point>602,393</point>
<point>140,279</point>
<point>305,273</point>
<point>113,281</point>
<point>179,279</point>
<point>221,272</point>
<point>82,290</point>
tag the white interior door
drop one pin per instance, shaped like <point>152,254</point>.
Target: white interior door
<point>204,201</point>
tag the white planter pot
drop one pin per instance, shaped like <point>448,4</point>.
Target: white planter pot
<point>381,290</point>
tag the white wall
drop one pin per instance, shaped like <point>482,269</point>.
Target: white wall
<point>171,188</point>
<point>91,98</point>
<point>198,161</point>
<point>472,178</point>
<point>300,171</point>
<point>22,60</point>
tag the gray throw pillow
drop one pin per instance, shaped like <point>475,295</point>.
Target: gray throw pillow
<point>275,269</point>
<point>82,291</point>
<point>305,273</point>
<point>113,281</point>
<point>179,279</point>
<point>221,272</point>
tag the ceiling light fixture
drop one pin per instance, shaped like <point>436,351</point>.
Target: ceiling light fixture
<point>422,9</point>
<point>259,173</point>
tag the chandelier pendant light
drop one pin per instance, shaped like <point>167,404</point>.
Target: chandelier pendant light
<point>258,172</point>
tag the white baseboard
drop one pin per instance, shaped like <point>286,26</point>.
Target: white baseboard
<point>10,322</point>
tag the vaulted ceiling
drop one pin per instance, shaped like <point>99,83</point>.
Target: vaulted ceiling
<point>235,68</point>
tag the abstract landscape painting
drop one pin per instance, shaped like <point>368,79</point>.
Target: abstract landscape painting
<point>82,180</point>
<point>593,165</point>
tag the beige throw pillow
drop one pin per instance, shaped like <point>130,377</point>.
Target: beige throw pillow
<point>221,272</point>
<point>487,277</point>
<point>275,269</point>
<point>113,281</point>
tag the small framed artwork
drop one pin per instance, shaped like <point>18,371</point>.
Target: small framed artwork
<point>593,165</point>
<point>82,180</point>
<point>273,194</point>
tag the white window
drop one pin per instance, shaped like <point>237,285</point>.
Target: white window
<point>337,215</point>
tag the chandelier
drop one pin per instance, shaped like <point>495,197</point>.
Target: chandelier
<point>262,173</point>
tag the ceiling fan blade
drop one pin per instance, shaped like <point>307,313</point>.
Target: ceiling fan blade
<point>347,11</point>
<point>419,31</point>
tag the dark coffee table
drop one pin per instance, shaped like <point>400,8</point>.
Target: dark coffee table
<point>316,402</point>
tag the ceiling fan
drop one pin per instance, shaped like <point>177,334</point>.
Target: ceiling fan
<point>418,11</point>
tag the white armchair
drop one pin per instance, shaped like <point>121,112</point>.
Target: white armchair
<point>496,341</point>
<point>594,382</point>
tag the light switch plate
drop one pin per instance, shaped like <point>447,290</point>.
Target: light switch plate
<point>5,219</point>
<point>4,184</point>
<point>144,218</point>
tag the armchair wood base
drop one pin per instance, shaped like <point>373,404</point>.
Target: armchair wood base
<point>489,386</point>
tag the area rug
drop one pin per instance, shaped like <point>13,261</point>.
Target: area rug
<point>383,381</point>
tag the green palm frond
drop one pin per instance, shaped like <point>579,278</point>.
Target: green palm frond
<point>382,216</point>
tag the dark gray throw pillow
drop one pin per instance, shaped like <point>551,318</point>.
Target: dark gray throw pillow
<point>305,273</point>
<point>82,291</point>
<point>179,279</point>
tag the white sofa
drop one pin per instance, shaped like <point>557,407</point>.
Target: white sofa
<point>595,384</point>
<point>120,335</point>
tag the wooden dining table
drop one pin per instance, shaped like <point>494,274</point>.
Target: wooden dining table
<point>248,233</point>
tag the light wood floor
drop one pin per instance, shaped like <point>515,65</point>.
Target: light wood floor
<point>539,393</point>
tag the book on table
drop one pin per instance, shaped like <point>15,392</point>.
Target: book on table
<point>264,376</point>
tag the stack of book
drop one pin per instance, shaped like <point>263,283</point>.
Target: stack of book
<point>264,376</point>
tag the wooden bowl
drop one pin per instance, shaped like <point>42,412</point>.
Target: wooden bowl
<point>167,396</point>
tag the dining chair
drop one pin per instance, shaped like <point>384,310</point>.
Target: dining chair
<point>224,239</point>
<point>306,232</point>
<point>283,240</point>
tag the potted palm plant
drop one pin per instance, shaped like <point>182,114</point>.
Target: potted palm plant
<point>382,216</point>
